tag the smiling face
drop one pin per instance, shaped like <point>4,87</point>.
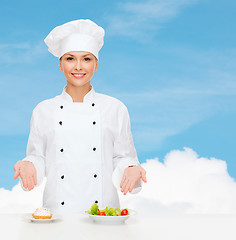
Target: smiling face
<point>78,68</point>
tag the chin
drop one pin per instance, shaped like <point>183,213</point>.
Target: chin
<point>79,84</point>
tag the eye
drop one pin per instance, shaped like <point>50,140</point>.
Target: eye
<point>69,58</point>
<point>87,59</point>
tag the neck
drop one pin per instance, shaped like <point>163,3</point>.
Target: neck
<point>78,93</point>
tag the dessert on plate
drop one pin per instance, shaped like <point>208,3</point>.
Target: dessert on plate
<point>42,213</point>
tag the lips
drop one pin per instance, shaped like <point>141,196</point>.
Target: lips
<point>78,75</point>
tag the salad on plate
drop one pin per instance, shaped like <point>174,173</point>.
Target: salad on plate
<point>108,215</point>
<point>108,211</point>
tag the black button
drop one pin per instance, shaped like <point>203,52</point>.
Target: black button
<point>95,175</point>
<point>62,177</point>
<point>94,149</point>
<point>60,122</point>
<point>62,150</point>
<point>96,201</point>
<point>93,104</point>
<point>94,123</point>
<point>61,107</point>
<point>62,203</point>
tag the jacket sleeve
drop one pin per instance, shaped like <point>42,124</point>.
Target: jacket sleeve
<point>35,152</point>
<point>124,150</point>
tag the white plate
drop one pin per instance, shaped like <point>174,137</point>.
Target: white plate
<point>110,219</point>
<point>32,219</point>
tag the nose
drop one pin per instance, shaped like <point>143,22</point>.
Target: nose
<point>78,65</point>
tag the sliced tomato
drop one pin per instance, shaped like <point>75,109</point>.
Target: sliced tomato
<point>124,212</point>
<point>101,213</point>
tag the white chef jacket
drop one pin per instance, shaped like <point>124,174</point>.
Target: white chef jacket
<point>79,147</point>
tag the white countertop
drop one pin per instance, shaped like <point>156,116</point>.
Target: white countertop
<point>145,227</point>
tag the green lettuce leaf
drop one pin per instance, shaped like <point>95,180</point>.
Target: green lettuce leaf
<point>93,210</point>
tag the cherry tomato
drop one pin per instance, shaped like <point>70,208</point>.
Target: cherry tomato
<point>124,212</point>
<point>101,213</point>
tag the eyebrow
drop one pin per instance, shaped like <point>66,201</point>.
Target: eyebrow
<point>88,54</point>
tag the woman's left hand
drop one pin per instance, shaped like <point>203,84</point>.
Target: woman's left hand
<point>131,176</point>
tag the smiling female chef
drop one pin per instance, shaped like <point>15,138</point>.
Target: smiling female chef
<point>80,140</point>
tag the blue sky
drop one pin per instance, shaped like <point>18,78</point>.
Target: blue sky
<point>172,62</point>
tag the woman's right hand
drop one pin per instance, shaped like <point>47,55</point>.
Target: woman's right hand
<point>27,172</point>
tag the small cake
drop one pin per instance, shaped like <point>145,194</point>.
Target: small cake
<point>42,213</point>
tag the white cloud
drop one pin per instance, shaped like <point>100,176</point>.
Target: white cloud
<point>20,52</point>
<point>143,17</point>
<point>158,9</point>
<point>184,183</point>
<point>19,201</point>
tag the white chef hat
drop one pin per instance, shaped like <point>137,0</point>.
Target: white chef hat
<point>78,35</point>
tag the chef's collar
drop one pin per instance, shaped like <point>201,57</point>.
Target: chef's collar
<point>89,96</point>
